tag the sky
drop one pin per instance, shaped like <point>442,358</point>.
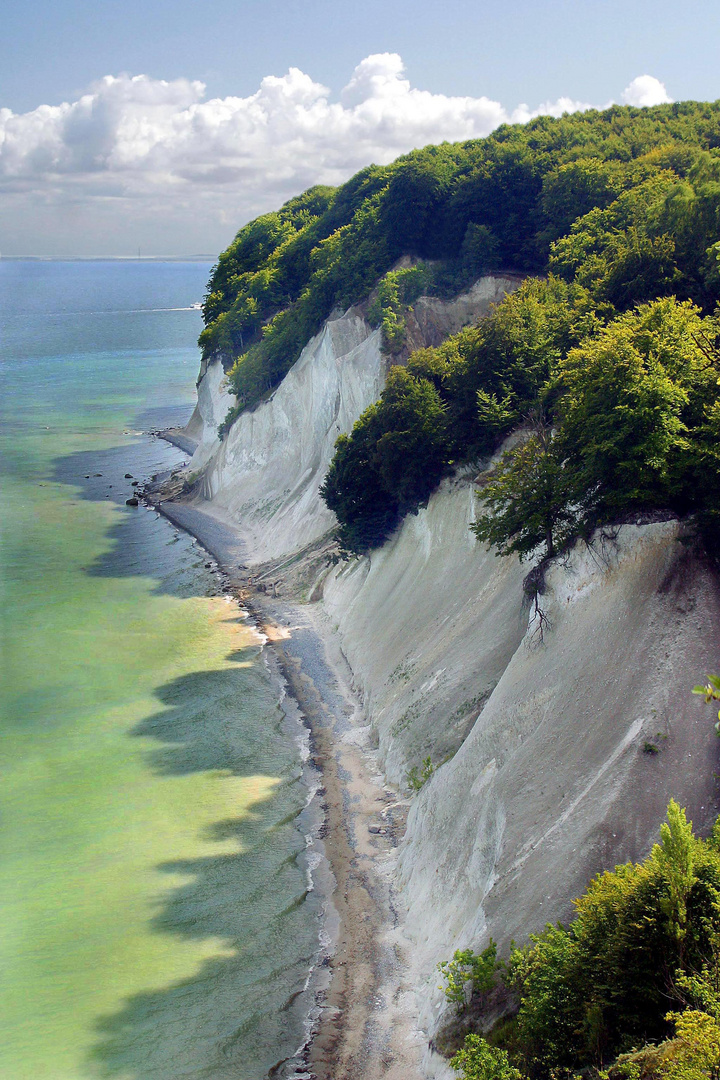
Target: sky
<point>163,126</point>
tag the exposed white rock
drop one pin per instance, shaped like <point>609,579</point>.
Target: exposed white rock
<point>428,623</point>
<point>542,776</point>
<point>213,402</point>
<point>265,476</point>
<point>552,783</point>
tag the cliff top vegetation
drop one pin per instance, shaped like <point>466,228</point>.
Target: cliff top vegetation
<point>605,359</point>
<point>487,203</point>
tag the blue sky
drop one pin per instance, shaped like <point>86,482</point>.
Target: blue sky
<point>152,163</point>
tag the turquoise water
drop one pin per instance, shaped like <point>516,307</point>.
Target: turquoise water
<point>155,922</point>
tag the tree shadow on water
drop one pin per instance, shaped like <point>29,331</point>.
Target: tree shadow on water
<point>141,542</point>
<point>239,1014</point>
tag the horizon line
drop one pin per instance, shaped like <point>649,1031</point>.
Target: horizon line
<point>106,258</point>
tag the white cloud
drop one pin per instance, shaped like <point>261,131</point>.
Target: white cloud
<point>142,160</point>
<point>645,90</point>
<point>523,113</point>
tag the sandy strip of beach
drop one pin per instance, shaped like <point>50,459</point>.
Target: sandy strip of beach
<point>367,1026</point>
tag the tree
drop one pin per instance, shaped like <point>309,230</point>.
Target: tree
<point>390,464</point>
<point>525,501</point>
<point>479,1061</point>
<point>623,254</point>
<point>674,857</point>
<point>467,968</point>
<point>631,396</point>
<point>480,249</point>
<point>711,692</point>
<point>576,188</point>
<point>693,1053</point>
<point>642,935</point>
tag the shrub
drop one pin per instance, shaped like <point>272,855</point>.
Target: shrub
<point>417,778</point>
<point>711,692</point>
<point>397,290</point>
<point>469,969</point>
<point>479,1061</point>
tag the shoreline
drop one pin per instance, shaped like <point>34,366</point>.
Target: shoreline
<point>363,1019</point>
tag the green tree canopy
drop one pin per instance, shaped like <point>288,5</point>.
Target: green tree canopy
<point>603,984</point>
<point>632,410</point>
<point>630,198</point>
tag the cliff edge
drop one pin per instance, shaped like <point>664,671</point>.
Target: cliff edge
<point>556,733</point>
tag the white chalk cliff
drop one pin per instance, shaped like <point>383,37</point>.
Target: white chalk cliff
<point>543,743</point>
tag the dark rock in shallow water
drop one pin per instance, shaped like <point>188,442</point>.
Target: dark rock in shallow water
<point>128,476</point>
<point>131,502</point>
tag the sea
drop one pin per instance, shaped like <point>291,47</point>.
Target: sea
<point>157,915</point>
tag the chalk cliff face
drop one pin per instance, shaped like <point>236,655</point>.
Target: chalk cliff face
<point>552,775</point>
<point>266,474</point>
<point>556,744</point>
<point>214,401</point>
<point>452,617</point>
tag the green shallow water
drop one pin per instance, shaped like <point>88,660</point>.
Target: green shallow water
<point>154,915</point>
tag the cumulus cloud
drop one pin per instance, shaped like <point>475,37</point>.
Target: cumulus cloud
<point>644,91</point>
<point>140,156</point>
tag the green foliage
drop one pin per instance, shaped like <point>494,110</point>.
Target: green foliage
<point>628,428</point>
<point>230,418</point>
<point>634,403</point>
<point>391,462</point>
<point>693,1054</point>
<point>711,692</point>
<point>456,401</point>
<point>654,240</point>
<point>416,778</point>
<point>674,856</point>
<point>397,290</point>
<point>526,500</point>
<point>698,1050</point>
<point>469,971</point>
<point>480,250</point>
<point>640,935</point>
<point>614,351</point>
<point>476,206</point>
<point>700,989</point>
<point>479,1061</point>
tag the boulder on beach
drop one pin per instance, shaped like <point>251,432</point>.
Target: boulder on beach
<point>131,502</point>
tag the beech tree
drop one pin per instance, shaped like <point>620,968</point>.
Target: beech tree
<point>635,414</point>
<point>632,408</point>
<point>525,501</point>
